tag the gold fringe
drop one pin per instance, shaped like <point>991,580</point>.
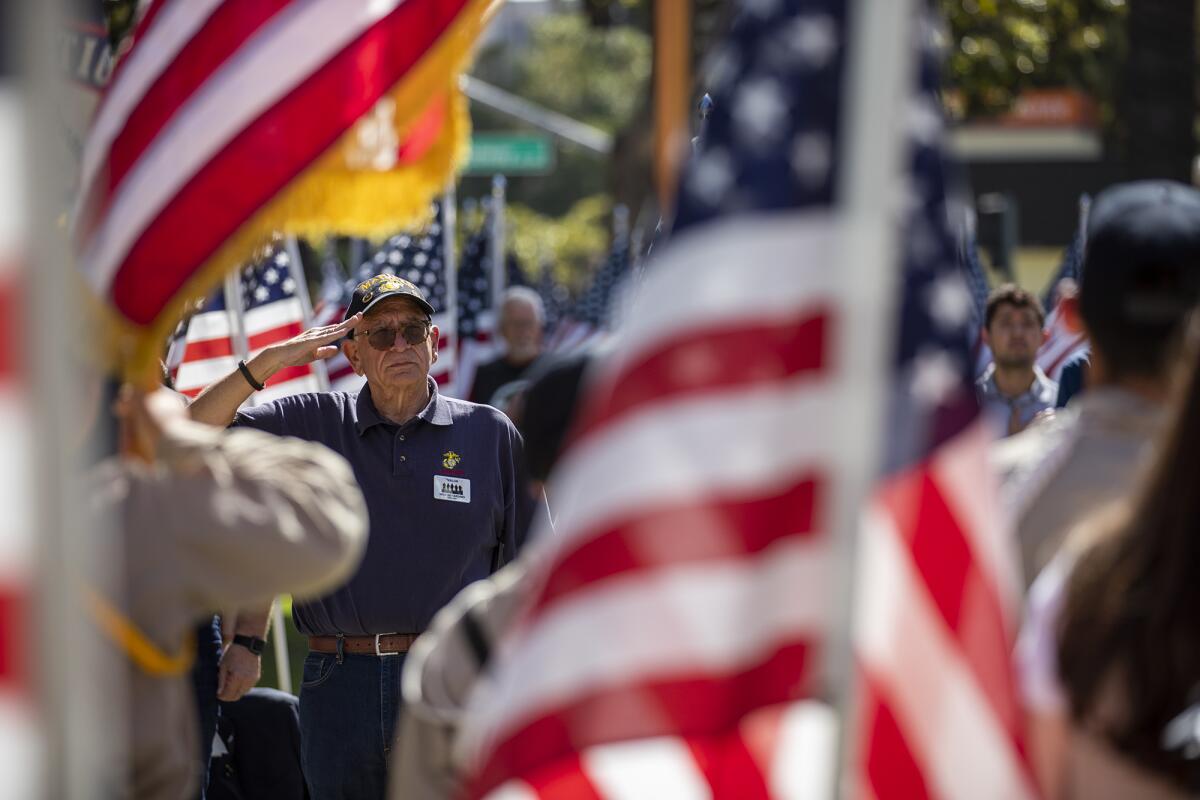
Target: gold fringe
<point>328,198</point>
<point>145,654</point>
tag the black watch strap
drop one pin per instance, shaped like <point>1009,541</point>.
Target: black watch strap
<point>255,385</point>
<point>252,643</point>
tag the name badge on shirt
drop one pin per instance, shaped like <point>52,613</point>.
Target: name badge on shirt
<point>456,490</point>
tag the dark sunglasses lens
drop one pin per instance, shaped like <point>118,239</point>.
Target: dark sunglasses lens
<point>415,334</point>
<point>382,338</point>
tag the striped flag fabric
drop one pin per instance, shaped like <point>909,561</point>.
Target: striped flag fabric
<point>271,312</point>
<point>977,283</point>
<point>476,317</point>
<point>938,589</point>
<point>680,629</point>
<point>555,297</point>
<point>680,610</point>
<point>205,346</point>
<point>1064,343</point>
<point>229,122</point>
<point>20,732</point>
<point>590,317</point>
<point>264,309</point>
<point>1071,266</point>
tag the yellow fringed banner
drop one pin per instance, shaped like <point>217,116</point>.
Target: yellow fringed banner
<point>379,178</point>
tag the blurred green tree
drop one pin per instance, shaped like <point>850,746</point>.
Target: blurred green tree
<point>595,74</point>
<point>998,48</point>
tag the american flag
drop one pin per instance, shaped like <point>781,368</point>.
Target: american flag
<point>555,297</point>
<point>476,317</point>
<point>265,310</point>
<point>203,349</point>
<point>678,627</point>
<point>272,312</point>
<point>216,114</point>
<point>1071,265</point>
<point>977,283</point>
<point>590,317</point>
<point>1062,342</point>
<point>938,587</point>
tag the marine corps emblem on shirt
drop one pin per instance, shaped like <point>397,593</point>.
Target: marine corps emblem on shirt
<point>450,459</point>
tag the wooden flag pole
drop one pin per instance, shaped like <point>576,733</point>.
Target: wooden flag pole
<point>672,83</point>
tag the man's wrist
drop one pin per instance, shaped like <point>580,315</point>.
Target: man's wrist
<point>252,643</point>
<point>264,365</point>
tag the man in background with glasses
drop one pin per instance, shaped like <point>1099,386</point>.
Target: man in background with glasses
<point>440,477</point>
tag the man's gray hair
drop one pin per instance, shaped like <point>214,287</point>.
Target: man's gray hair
<point>522,294</point>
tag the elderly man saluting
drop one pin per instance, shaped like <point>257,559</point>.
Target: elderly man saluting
<point>440,480</point>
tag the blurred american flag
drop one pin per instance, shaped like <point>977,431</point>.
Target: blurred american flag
<point>716,459</point>
<point>589,318</point>
<point>476,317</point>
<point>263,308</point>
<point>272,312</point>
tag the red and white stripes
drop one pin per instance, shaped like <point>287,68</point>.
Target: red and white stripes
<point>938,603</point>
<point>708,549</point>
<point>228,101</point>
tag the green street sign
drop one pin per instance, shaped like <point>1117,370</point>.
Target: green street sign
<point>510,154</point>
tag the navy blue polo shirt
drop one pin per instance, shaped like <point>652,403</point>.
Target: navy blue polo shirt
<point>441,492</point>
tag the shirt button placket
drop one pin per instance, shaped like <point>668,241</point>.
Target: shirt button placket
<point>401,463</point>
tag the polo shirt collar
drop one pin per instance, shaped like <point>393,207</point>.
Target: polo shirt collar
<point>435,412</point>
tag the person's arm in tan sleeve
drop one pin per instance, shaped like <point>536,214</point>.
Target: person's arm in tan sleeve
<point>217,404</point>
<point>249,515</point>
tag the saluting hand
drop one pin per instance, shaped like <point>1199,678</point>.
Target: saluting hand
<point>313,344</point>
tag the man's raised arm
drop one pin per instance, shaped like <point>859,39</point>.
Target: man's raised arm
<point>217,404</point>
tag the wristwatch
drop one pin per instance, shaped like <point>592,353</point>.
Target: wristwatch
<point>252,643</point>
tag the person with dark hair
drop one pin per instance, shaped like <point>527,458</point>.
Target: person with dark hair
<point>1013,389</point>
<point>1110,653</point>
<point>1141,275</point>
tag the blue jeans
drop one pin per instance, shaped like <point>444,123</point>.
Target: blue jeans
<point>204,683</point>
<point>348,720</point>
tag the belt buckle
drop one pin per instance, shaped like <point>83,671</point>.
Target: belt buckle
<point>378,652</point>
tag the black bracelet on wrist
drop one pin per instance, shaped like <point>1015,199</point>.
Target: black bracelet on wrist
<point>252,643</point>
<point>242,368</point>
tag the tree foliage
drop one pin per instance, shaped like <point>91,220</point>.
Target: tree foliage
<point>998,48</point>
<point>594,74</point>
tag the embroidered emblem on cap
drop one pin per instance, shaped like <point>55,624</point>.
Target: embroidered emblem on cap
<point>383,284</point>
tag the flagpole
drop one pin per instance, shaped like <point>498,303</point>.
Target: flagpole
<point>499,274</point>
<point>450,268</point>
<point>235,309</point>
<point>296,267</point>
<point>880,76</point>
<point>63,740</point>
<point>672,84</point>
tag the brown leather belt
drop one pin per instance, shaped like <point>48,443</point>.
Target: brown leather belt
<point>381,644</point>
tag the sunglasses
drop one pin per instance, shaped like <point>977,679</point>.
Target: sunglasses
<point>383,338</point>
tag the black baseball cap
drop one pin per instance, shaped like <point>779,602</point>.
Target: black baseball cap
<point>1141,265</point>
<point>381,287</point>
